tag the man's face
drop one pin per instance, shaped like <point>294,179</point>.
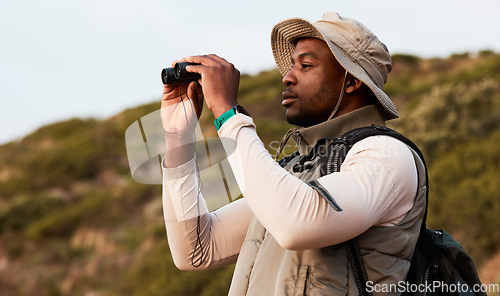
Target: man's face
<point>313,84</point>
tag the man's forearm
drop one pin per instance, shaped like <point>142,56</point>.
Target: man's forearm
<point>220,234</point>
<point>179,149</point>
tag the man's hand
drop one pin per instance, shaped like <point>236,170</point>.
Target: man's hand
<point>219,80</point>
<point>181,117</point>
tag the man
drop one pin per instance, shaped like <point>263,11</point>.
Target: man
<point>287,233</point>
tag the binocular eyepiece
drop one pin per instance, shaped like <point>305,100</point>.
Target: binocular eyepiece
<point>178,74</point>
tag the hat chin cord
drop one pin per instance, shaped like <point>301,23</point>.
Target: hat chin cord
<point>339,101</point>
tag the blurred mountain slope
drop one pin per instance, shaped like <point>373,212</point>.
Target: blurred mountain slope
<point>73,222</point>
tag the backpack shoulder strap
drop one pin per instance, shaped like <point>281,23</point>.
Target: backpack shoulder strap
<point>342,145</point>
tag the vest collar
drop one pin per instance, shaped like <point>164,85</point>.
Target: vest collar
<point>307,137</point>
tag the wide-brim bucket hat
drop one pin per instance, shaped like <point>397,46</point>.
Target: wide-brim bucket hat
<point>354,46</point>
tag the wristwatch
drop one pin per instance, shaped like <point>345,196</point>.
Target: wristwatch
<point>228,114</point>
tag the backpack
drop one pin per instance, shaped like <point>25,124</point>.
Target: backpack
<point>440,266</point>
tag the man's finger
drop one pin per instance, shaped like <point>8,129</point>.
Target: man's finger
<point>205,60</point>
<point>218,59</point>
<point>167,88</point>
<point>196,98</point>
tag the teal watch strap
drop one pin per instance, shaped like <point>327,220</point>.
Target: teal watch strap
<point>225,116</point>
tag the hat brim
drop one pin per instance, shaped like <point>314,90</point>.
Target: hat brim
<point>283,46</point>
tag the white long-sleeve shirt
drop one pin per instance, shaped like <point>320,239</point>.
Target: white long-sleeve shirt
<point>376,185</point>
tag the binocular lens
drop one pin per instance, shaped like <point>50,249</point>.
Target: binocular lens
<point>168,76</point>
<point>178,74</point>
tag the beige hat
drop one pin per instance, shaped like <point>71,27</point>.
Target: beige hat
<point>354,46</point>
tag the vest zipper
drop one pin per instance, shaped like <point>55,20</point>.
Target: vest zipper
<point>434,269</point>
<point>356,260</point>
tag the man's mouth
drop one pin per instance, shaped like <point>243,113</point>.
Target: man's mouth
<point>288,98</point>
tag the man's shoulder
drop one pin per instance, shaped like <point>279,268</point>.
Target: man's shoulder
<point>380,142</point>
<point>383,156</point>
<point>381,147</point>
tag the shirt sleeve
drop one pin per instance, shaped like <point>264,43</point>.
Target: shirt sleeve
<point>376,186</point>
<point>196,236</point>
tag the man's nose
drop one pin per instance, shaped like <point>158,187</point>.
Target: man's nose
<point>289,78</point>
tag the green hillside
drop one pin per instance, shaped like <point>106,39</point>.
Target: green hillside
<point>73,222</point>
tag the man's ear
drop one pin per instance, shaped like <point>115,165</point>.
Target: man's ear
<point>352,84</point>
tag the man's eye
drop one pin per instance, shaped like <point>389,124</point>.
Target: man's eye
<point>305,66</point>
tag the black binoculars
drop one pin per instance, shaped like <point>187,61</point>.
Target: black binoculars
<point>178,74</point>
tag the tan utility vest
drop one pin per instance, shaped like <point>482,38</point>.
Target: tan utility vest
<point>265,268</point>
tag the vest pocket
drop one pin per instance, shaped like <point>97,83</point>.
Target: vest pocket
<point>302,279</point>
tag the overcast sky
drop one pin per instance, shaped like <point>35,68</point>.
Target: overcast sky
<point>93,58</point>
